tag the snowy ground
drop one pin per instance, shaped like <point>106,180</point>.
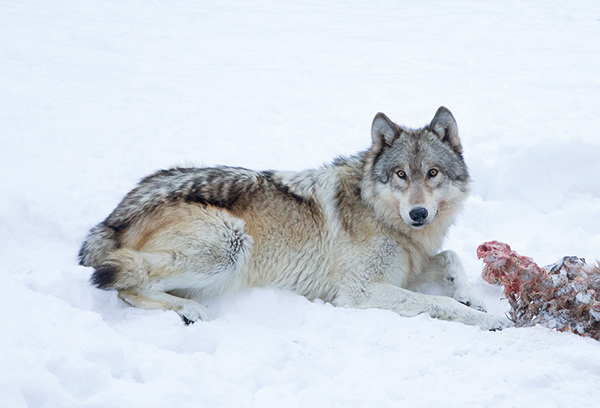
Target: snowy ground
<point>94,95</point>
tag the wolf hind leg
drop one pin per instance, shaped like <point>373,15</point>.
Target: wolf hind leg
<point>189,310</point>
<point>143,280</point>
<point>446,269</point>
<point>201,255</point>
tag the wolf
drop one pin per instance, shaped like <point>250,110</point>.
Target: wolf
<point>361,232</point>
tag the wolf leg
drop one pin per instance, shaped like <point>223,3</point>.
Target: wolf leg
<point>446,269</point>
<point>201,253</point>
<point>190,311</point>
<point>406,303</point>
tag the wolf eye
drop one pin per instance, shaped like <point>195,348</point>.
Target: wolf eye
<point>432,173</point>
<point>401,174</point>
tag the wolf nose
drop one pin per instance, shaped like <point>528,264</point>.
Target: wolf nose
<point>418,214</point>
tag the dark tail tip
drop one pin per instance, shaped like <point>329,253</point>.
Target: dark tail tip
<point>105,276</point>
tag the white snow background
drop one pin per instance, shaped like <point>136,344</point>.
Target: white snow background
<point>94,95</point>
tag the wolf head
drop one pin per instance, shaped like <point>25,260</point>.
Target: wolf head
<point>416,177</point>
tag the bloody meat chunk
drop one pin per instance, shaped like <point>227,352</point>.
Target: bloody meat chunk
<point>563,296</point>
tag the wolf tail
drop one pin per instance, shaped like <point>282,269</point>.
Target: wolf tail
<point>125,268</point>
<point>114,268</point>
<point>100,241</point>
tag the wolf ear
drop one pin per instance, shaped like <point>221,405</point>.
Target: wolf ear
<point>383,131</point>
<point>444,125</point>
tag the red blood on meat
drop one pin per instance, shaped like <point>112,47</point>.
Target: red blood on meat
<point>562,296</point>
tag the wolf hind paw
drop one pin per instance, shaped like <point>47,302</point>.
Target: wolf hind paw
<point>190,314</point>
<point>187,321</point>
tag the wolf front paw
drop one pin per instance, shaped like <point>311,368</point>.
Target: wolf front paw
<point>472,301</point>
<point>494,323</point>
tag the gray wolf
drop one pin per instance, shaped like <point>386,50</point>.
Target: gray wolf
<point>362,232</point>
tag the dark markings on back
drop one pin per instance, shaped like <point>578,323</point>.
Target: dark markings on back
<point>230,188</point>
<point>283,189</point>
<point>220,187</point>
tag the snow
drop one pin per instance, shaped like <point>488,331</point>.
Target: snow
<point>95,95</point>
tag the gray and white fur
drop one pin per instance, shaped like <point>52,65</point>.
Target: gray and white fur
<point>362,232</point>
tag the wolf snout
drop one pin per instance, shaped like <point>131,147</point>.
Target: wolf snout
<point>418,214</point>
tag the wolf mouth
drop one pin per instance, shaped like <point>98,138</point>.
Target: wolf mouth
<point>418,225</point>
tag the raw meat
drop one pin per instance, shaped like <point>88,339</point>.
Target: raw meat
<point>562,296</point>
